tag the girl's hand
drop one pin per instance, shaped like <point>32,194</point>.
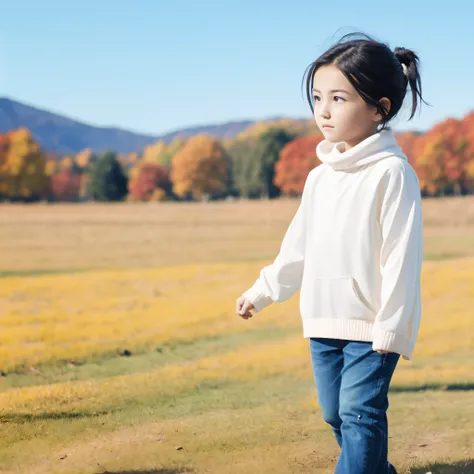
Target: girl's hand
<point>384,352</point>
<point>243,307</point>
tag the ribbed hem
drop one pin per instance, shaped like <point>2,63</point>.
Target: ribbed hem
<point>391,341</point>
<point>358,330</point>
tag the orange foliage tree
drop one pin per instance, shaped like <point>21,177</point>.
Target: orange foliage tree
<point>23,174</point>
<point>84,158</point>
<point>200,168</point>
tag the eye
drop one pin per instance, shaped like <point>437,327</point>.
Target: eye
<point>316,98</point>
<point>339,97</point>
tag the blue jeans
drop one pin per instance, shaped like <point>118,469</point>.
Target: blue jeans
<point>352,383</point>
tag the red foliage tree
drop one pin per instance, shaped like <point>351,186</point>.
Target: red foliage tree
<point>407,141</point>
<point>467,129</point>
<point>442,161</point>
<point>297,159</point>
<point>150,177</point>
<point>65,185</point>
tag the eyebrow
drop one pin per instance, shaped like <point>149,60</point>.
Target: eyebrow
<point>333,90</point>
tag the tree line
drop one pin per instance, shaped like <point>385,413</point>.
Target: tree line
<point>268,160</point>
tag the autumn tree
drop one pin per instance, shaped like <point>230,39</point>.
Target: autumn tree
<point>467,130</point>
<point>166,155</point>
<point>454,144</point>
<point>65,185</point>
<point>84,159</point>
<point>106,180</point>
<point>67,162</point>
<point>407,141</point>
<point>161,153</point>
<point>23,175</point>
<point>297,159</point>
<point>201,169</point>
<point>151,183</point>
<point>442,161</point>
<point>152,151</point>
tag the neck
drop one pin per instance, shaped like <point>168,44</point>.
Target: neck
<point>352,143</point>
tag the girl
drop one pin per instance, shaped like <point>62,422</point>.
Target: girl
<point>354,246</point>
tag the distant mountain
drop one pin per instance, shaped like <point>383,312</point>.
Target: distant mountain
<point>64,135</point>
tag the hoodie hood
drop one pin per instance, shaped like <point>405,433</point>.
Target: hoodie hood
<point>374,148</point>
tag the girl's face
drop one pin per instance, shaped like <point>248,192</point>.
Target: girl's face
<point>339,111</point>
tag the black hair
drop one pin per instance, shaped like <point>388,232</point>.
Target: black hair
<point>374,70</point>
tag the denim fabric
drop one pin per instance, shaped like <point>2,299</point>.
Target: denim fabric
<point>352,382</point>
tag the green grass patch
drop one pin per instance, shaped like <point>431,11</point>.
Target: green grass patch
<point>171,352</point>
<point>43,272</point>
<point>27,435</point>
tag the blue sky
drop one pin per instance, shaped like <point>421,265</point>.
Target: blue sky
<point>154,66</point>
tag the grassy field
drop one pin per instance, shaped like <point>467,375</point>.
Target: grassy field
<point>121,351</point>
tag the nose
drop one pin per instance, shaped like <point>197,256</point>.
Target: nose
<point>324,110</point>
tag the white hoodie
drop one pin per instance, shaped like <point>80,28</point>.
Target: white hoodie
<point>354,248</point>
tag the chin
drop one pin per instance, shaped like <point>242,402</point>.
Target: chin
<point>331,135</point>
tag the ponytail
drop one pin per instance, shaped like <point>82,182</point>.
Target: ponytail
<point>410,68</point>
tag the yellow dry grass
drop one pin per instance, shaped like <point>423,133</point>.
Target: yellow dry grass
<point>159,273</point>
<point>62,317</point>
<point>71,237</point>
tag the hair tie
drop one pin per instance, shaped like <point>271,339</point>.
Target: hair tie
<point>405,69</point>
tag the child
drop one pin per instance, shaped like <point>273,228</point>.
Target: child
<point>354,246</point>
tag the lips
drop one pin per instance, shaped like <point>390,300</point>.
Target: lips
<point>327,126</point>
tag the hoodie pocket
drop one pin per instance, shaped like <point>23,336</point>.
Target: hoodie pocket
<point>338,297</point>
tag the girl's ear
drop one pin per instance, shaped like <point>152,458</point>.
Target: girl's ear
<point>386,104</point>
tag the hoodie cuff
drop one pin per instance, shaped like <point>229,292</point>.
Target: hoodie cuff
<point>258,299</point>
